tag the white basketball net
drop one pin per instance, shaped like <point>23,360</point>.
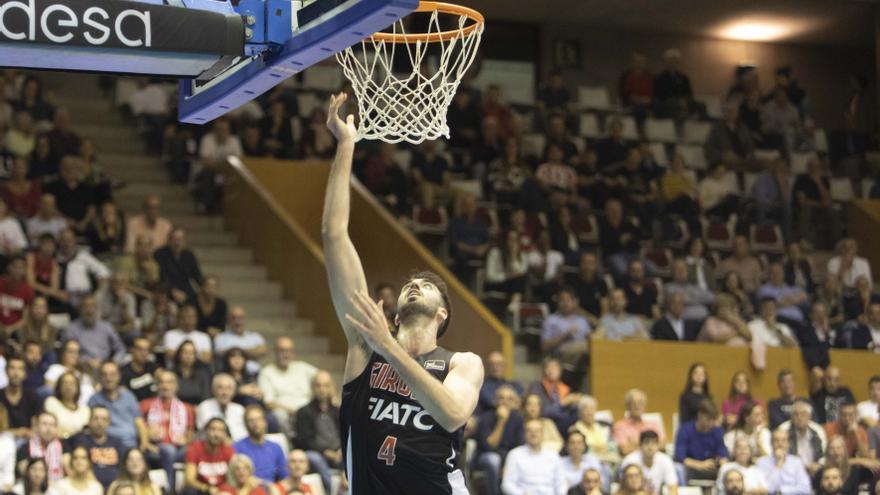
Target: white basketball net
<point>408,107</point>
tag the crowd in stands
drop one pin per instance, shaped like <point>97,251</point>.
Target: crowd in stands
<point>122,370</point>
<point>551,439</point>
<point>120,356</point>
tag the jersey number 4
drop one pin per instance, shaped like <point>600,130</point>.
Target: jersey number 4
<point>386,451</point>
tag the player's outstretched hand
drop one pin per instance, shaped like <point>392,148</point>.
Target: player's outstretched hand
<point>344,131</point>
<point>369,321</point>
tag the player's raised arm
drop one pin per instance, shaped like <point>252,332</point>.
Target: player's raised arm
<point>344,269</point>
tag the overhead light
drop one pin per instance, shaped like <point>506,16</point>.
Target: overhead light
<point>761,29</point>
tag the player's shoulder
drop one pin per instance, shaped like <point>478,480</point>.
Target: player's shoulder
<point>466,360</point>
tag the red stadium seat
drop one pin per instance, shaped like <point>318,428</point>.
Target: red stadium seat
<point>767,238</point>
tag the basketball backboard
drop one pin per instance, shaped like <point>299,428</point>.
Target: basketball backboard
<point>223,54</point>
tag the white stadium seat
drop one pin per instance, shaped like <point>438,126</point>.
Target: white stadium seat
<point>693,156</point>
<point>661,130</point>
<point>590,126</point>
<point>696,132</point>
<point>594,97</point>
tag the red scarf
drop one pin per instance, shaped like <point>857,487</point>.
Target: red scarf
<point>52,454</point>
<point>177,420</point>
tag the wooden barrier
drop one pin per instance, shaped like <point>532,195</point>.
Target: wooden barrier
<point>660,369</point>
<point>863,224</point>
<point>291,195</point>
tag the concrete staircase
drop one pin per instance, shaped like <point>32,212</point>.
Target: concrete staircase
<point>242,280</point>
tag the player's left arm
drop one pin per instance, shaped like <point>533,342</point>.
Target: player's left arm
<point>450,402</point>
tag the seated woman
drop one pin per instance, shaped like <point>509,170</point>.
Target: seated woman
<point>21,193</point>
<point>248,392</point>
<point>72,416</point>
<point>725,326</point>
<point>750,426</point>
<point>598,435</point>
<point>754,481</point>
<point>240,479</point>
<point>133,469</point>
<point>740,396</point>
<point>532,410</point>
<point>506,267</point>
<point>211,308</point>
<point>106,232</point>
<point>194,376</point>
<point>80,479</point>
<point>44,274</point>
<point>696,389</point>
<point>69,362</point>
<point>733,287</point>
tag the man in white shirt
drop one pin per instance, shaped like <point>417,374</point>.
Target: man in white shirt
<point>286,384</point>
<point>869,410</point>
<point>149,223</point>
<point>79,268</point>
<point>47,220</point>
<point>187,320</point>
<point>847,265</point>
<point>237,335</point>
<point>658,467</point>
<point>767,330</point>
<point>530,470</point>
<point>220,405</point>
<point>218,144</point>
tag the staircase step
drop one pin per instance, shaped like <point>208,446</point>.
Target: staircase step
<point>225,254</point>
<point>85,105</point>
<point>234,290</point>
<point>211,239</point>
<point>282,326</point>
<point>170,206</point>
<point>234,272</point>
<point>259,308</point>
<point>198,223</point>
<point>109,131</point>
<point>111,161</point>
<point>323,361</point>
<point>120,146</point>
<point>141,190</point>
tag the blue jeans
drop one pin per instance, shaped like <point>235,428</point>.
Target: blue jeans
<point>318,464</point>
<point>490,464</point>
<point>166,457</point>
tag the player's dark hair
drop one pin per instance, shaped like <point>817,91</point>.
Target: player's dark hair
<point>436,281</point>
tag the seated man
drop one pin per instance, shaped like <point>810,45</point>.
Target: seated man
<point>237,335</point>
<point>286,383</point>
<point>98,340</point>
<point>297,467</point>
<point>591,483</point>
<point>170,423</point>
<point>848,266</point>
<point>179,267</point>
<point>105,451</point>
<point>531,469</point>
<point>658,467</point>
<point>730,141</point>
<point>827,400</point>
<point>220,405</point>
<point>317,429</point>
<point>117,305</point>
<point>869,410</point>
<point>785,473</point>
<point>22,404</point>
<point>126,422</point>
<point>815,212</point>
<point>744,263</point>
<point>767,330</point>
<point>495,378</point>
<point>807,439</point>
<point>641,294</point>
<point>617,324</point>
<point>789,299</point>
<point>469,238</point>
<point>566,331</point>
<point>44,444</point>
<point>848,427</point>
<point>187,321</point>
<point>148,226</point>
<point>627,431</point>
<point>589,285</point>
<point>779,409</point>
<point>618,237</point>
<point>270,463</point>
<point>207,460</point>
<point>139,375</point>
<point>699,444</point>
<point>672,325</point>
<point>498,432</point>
<point>696,299</point>
<point>866,335</point>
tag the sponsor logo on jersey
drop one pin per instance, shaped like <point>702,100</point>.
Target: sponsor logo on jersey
<point>435,364</point>
<point>400,414</point>
<point>384,377</point>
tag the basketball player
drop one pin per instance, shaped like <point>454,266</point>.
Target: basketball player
<point>404,399</point>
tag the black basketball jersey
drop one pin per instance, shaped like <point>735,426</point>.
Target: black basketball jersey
<point>392,445</point>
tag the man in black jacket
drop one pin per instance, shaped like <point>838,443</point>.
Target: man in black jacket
<point>179,268</point>
<point>867,335</point>
<point>673,326</point>
<point>317,429</point>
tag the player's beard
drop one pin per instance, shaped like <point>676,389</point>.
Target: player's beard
<point>413,310</point>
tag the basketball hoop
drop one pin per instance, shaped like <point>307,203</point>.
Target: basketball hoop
<point>411,106</point>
